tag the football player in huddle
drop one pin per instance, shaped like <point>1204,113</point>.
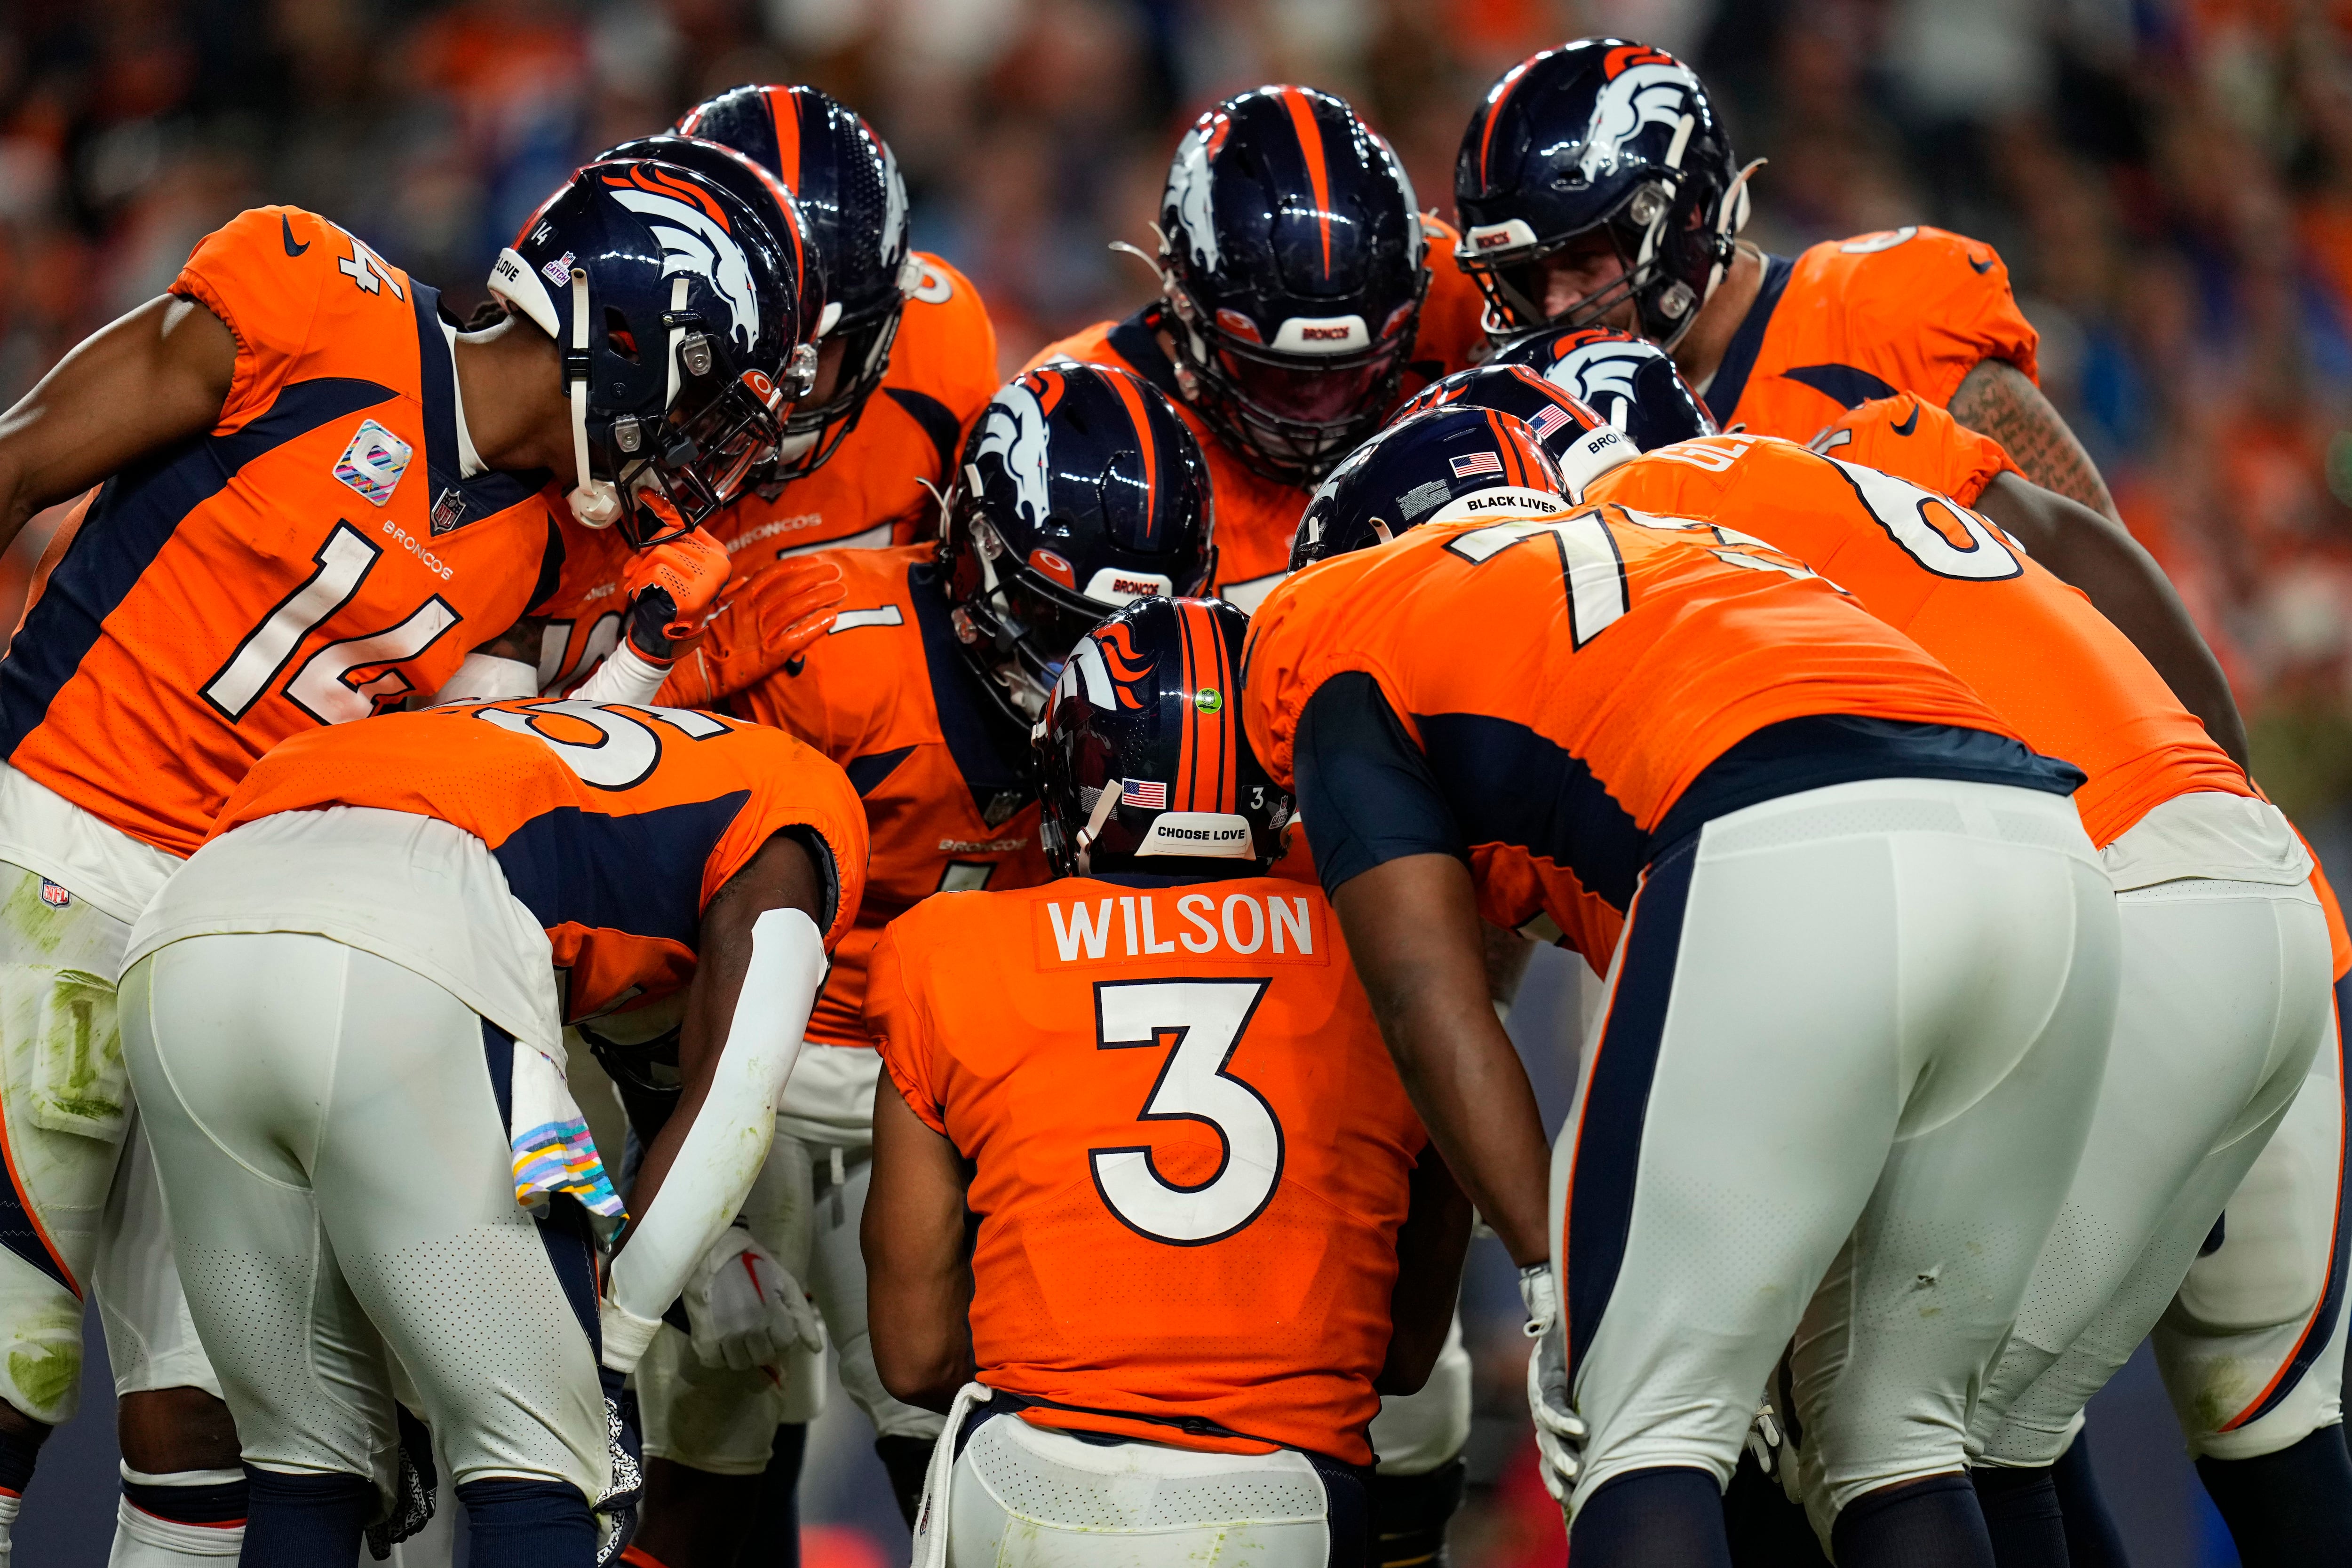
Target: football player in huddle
<point>1301,293</point>
<point>344,1017</point>
<point>314,499</point>
<point>1596,186</point>
<point>906,357</point>
<point>1862,968</point>
<point>1080,490</point>
<point>1157,1070</point>
<point>2227,965</point>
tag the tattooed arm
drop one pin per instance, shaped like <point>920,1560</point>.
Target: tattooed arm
<point>1998,400</point>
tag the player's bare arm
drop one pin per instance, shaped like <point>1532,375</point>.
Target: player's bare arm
<point>918,1264</point>
<point>781,876</point>
<point>155,376</point>
<point>1429,1248</point>
<point>1413,925</point>
<point>1998,400</point>
<point>2124,583</point>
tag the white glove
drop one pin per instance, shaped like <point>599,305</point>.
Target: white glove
<point>1559,1431</point>
<point>745,1308</point>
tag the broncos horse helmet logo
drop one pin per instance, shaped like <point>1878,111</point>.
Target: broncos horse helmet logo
<point>1655,91</point>
<point>695,240</point>
<point>1601,372</point>
<point>1013,430</point>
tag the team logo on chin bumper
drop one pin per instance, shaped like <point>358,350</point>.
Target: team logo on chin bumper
<point>373,462</point>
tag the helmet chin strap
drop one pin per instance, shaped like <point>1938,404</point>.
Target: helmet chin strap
<point>1104,804</point>
<point>1731,217</point>
<point>593,501</point>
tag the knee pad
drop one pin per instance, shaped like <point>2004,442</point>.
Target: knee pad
<point>1409,1515</point>
<point>906,1459</point>
<point>515,1523</point>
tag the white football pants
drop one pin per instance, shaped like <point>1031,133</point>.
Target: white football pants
<point>1024,1497</point>
<point>2225,1000</point>
<point>76,1206</point>
<point>2252,1348</point>
<point>1848,1057</point>
<point>1415,1433</point>
<point>342,1184</point>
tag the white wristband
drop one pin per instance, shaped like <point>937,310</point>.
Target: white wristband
<point>625,1335</point>
<point>624,677</point>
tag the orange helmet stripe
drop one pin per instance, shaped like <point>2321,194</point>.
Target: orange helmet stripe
<point>1131,394</point>
<point>1206,757</point>
<point>1310,142</point>
<point>784,109</point>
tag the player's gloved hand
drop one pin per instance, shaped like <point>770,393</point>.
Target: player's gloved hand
<point>616,1509</point>
<point>745,1309</point>
<point>764,622</point>
<point>1559,1431</point>
<point>672,588</point>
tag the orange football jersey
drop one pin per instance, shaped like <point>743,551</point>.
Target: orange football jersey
<point>2033,647</point>
<point>1255,516</point>
<point>1915,440</point>
<point>1907,309</point>
<point>1569,678</point>
<point>870,493</point>
<point>1191,1153</point>
<point>614,825</point>
<point>944,779</point>
<point>315,558</point>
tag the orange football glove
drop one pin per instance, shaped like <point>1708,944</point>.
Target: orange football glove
<point>672,588</point>
<point>768,620</point>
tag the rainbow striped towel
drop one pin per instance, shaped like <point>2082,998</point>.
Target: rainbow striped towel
<point>552,1149</point>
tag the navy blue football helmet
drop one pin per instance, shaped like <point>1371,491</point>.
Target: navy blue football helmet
<point>1291,262</point>
<point>1600,135</point>
<point>1080,491</point>
<point>1142,759</point>
<point>676,312</point>
<point>1583,444</point>
<point>1438,465</point>
<point>847,184</point>
<point>1629,382</point>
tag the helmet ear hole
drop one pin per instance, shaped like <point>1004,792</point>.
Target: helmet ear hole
<point>624,342</point>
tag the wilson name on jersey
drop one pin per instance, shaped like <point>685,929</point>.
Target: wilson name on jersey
<point>315,558</point>
<point>1191,1154</point>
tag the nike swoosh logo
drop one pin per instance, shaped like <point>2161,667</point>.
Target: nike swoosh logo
<point>1982,266</point>
<point>292,248</point>
<point>1910,424</point>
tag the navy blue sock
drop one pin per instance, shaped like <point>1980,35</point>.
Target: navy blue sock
<point>302,1521</point>
<point>528,1524</point>
<point>1934,1523</point>
<point>775,1538</point>
<point>2093,1539</point>
<point>1671,1517</point>
<point>2022,1516</point>
<point>2291,1508</point>
<point>18,1453</point>
<point>1767,1529</point>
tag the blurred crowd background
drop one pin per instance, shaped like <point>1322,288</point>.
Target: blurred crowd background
<point>2170,181</point>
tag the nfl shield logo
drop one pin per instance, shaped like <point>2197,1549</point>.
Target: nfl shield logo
<point>53,896</point>
<point>449,512</point>
<point>373,462</point>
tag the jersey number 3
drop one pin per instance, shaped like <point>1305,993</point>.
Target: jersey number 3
<point>1207,1020</point>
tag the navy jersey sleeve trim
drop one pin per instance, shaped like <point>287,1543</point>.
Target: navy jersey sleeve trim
<point>991,755</point>
<point>936,419</point>
<point>1849,386</point>
<point>1730,380</point>
<point>129,523</point>
<point>1367,794</point>
<point>550,568</point>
